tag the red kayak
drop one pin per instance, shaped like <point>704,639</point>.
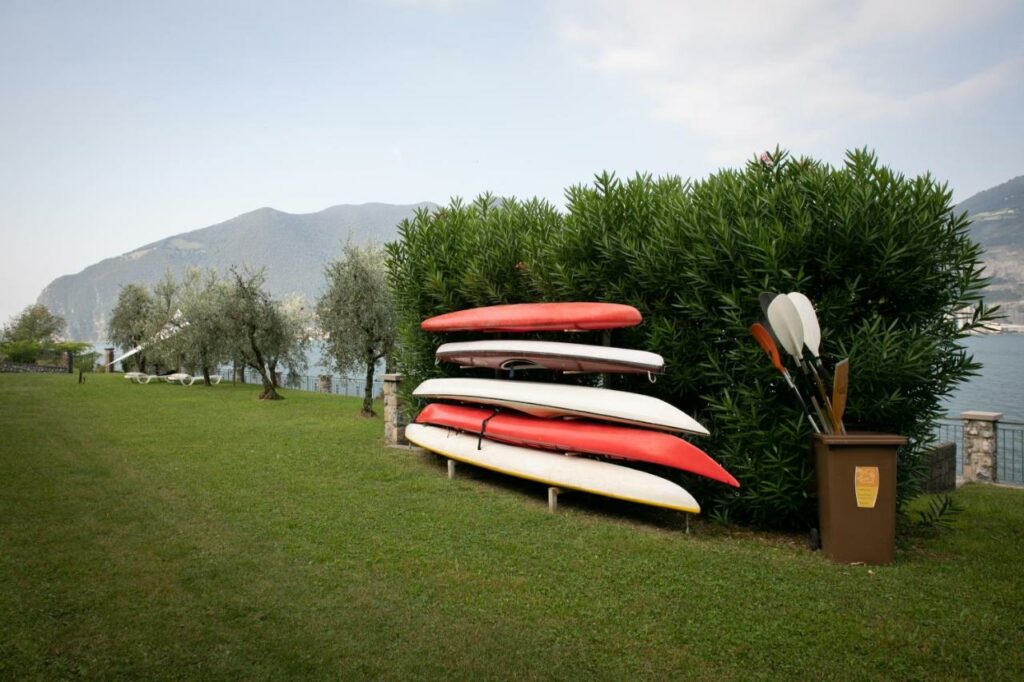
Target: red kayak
<point>536,317</point>
<point>583,436</point>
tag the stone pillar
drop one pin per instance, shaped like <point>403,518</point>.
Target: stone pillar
<point>981,454</point>
<point>394,418</point>
<point>324,382</point>
<point>239,375</point>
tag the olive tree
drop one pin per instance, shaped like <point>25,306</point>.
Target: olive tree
<point>264,333</point>
<point>130,320</point>
<point>164,322</point>
<point>35,324</point>
<point>357,313</point>
<point>201,341</point>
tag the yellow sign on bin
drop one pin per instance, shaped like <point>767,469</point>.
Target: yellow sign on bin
<point>865,481</point>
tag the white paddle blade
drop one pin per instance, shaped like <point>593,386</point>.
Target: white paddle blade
<point>168,330</point>
<point>127,355</point>
<point>785,320</point>
<point>809,318</point>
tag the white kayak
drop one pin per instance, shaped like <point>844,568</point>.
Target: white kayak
<point>560,400</point>
<point>563,471</point>
<point>511,354</point>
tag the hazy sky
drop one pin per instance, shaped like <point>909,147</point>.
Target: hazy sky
<point>125,122</point>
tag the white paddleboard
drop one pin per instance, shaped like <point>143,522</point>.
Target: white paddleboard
<point>564,357</point>
<point>559,400</point>
<point>574,473</point>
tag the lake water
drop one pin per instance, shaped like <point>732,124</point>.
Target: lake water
<point>1000,385</point>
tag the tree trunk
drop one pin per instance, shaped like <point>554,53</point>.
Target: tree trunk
<point>367,410</point>
<point>268,392</point>
<point>269,376</point>
<point>204,362</point>
<point>142,363</point>
<point>269,385</point>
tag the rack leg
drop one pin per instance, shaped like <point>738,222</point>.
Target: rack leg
<point>553,499</point>
<point>451,468</point>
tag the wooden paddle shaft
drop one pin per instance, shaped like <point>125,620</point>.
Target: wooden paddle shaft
<point>840,386</point>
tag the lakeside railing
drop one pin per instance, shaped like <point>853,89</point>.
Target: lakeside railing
<point>1009,443</point>
<point>340,384</point>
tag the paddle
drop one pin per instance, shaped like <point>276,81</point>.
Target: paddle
<point>812,340</point>
<point>839,388</point>
<point>809,321</point>
<point>764,339</point>
<point>170,329</point>
<point>782,314</point>
<point>765,298</point>
<point>789,327</point>
<point>789,330</point>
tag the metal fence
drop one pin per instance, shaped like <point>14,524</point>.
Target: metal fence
<point>340,384</point>
<point>1010,444</point>
<point>1009,441</point>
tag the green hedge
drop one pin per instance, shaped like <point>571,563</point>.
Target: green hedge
<point>25,352</point>
<point>883,256</point>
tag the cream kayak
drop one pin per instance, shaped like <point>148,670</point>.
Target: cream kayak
<point>560,400</point>
<point>563,471</point>
<point>511,354</point>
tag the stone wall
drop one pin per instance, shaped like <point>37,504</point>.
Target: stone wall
<point>20,368</point>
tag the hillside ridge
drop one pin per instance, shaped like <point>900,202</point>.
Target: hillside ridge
<point>294,247</point>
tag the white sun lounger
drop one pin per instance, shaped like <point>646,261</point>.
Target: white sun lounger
<point>177,378</point>
<point>198,378</point>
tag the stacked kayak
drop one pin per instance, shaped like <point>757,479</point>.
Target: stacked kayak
<point>563,357</point>
<point>573,437</point>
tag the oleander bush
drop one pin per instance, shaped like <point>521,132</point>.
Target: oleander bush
<point>885,258</point>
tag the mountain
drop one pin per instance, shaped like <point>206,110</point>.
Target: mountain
<point>998,225</point>
<point>293,247</point>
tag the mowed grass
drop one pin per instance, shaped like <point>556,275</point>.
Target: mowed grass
<point>167,532</point>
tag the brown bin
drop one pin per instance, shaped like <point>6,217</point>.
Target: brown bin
<point>857,495</point>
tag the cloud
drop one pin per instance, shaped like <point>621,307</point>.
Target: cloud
<point>747,75</point>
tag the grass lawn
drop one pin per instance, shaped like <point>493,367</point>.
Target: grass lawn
<point>166,532</point>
